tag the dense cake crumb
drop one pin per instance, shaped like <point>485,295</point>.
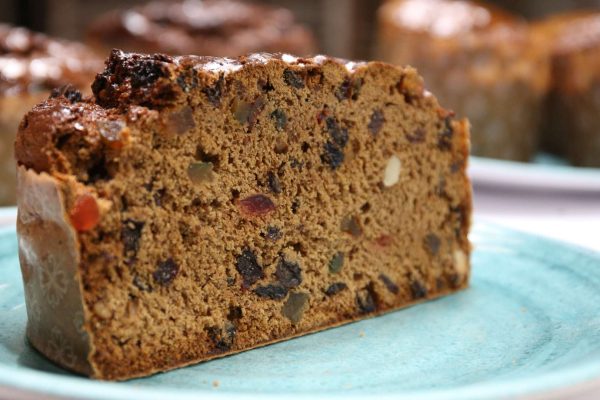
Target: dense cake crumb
<point>208,206</point>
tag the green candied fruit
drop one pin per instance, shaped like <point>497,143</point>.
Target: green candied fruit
<point>336,263</point>
<point>201,172</point>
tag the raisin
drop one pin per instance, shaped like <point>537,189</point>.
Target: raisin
<point>336,263</point>
<point>257,205</point>
<point>293,79</point>
<point>85,213</point>
<point>69,92</point>
<point>222,338</point>
<point>280,119</point>
<point>432,243</point>
<point>273,182</point>
<point>200,172</point>
<point>349,89</point>
<point>273,292</point>
<point>235,313</point>
<point>445,135</point>
<point>376,122</point>
<point>131,232</point>
<point>351,225</point>
<point>166,271</point>
<point>418,136</point>
<point>249,268</point>
<point>288,273</point>
<point>418,290</point>
<point>391,286</point>
<point>214,93</point>
<point>294,307</point>
<point>332,156</point>
<point>335,288</point>
<point>112,133</point>
<point>366,299</point>
<point>338,135</point>
<point>273,233</point>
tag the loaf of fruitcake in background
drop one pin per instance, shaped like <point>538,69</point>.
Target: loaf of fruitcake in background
<point>225,28</point>
<point>31,65</point>
<point>206,206</point>
<point>480,61</point>
<point>572,117</point>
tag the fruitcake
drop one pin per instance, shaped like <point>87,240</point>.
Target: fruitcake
<point>481,61</point>
<point>31,65</point>
<point>572,125</point>
<point>224,28</point>
<point>196,207</point>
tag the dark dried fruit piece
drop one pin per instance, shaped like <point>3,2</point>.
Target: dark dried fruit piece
<point>338,135</point>
<point>376,122</point>
<point>257,205</point>
<point>85,213</point>
<point>349,89</point>
<point>294,307</point>
<point>336,263</point>
<point>432,243</point>
<point>166,271</point>
<point>273,292</point>
<point>131,232</point>
<point>200,172</point>
<point>335,288</point>
<point>288,273</point>
<point>249,268</point>
<point>418,290</point>
<point>418,136</point>
<point>366,299</point>
<point>332,156</point>
<point>273,182</point>
<point>391,286</point>
<point>67,91</point>
<point>445,135</point>
<point>351,225</point>
<point>214,93</point>
<point>273,233</point>
<point>293,79</point>
<point>222,338</point>
<point>280,119</point>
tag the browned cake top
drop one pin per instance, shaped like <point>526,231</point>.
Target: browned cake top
<point>208,27</point>
<point>446,19</point>
<point>130,80</point>
<point>32,62</point>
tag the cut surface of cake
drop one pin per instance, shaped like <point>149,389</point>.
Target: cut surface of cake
<point>196,207</point>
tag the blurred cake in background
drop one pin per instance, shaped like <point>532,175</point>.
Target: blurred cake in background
<point>31,66</point>
<point>209,27</point>
<point>572,122</point>
<point>480,61</point>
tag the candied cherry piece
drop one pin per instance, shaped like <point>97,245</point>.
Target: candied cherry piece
<point>85,213</point>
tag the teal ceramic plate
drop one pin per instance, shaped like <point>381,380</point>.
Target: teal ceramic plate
<point>545,172</point>
<point>529,324</point>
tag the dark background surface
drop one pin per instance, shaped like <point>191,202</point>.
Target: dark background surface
<point>344,28</point>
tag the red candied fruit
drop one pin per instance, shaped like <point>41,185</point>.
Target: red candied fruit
<point>85,213</point>
<point>257,205</point>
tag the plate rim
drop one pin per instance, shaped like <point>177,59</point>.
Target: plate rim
<point>507,173</point>
<point>36,382</point>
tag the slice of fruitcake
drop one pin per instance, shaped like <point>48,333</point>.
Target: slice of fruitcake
<point>197,207</point>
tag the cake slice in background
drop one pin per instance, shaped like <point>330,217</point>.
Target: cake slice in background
<point>211,27</point>
<point>480,61</point>
<point>197,207</point>
<point>31,65</point>
<point>572,117</point>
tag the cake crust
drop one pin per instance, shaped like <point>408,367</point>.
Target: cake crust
<point>223,204</point>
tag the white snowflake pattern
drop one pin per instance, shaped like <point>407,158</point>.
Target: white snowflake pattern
<point>53,281</point>
<point>34,313</point>
<point>60,350</point>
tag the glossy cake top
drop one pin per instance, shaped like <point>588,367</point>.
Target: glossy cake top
<point>33,62</point>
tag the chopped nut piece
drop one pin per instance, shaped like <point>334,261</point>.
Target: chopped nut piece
<point>391,175</point>
<point>461,262</point>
